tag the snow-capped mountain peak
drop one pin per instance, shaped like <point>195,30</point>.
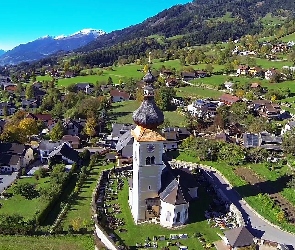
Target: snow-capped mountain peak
<point>83,32</point>
<point>88,32</point>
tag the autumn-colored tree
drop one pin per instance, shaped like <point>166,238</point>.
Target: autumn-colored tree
<point>28,127</point>
<point>146,68</point>
<point>90,127</point>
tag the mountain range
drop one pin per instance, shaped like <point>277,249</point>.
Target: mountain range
<point>47,45</point>
<point>2,52</point>
<point>198,22</point>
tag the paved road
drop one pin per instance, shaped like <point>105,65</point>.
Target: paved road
<point>257,226</point>
<point>6,180</point>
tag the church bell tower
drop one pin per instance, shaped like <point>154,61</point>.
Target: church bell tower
<point>148,149</point>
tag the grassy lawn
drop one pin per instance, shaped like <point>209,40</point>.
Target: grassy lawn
<point>81,206</point>
<point>17,204</point>
<point>191,91</point>
<point>122,113</point>
<point>84,242</point>
<point>288,38</point>
<point>139,233</point>
<point>266,64</point>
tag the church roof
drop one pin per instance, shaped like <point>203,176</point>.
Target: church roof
<point>176,185</point>
<point>148,115</point>
<point>142,134</point>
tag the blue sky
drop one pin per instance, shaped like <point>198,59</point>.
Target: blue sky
<point>26,20</point>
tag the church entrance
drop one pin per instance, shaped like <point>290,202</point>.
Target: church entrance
<point>152,208</point>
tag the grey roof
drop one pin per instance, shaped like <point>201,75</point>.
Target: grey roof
<point>10,153</point>
<point>239,237</point>
<point>118,129</point>
<point>124,140</point>
<point>66,151</point>
<point>251,140</point>
<point>148,78</point>
<point>127,151</point>
<point>48,145</point>
<point>176,185</point>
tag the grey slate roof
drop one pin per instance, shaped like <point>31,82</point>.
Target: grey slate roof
<point>176,184</point>
<point>124,140</point>
<point>148,115</point>
<point>239,237</point>
<point>10,153</point>
<point>48,145</point>
<point>66,151</point>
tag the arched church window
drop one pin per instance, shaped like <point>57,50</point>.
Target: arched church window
<point>148,161</point>
<point>178,217</point>
<point>153,160</point>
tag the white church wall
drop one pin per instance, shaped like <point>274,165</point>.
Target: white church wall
<point>167,214</point>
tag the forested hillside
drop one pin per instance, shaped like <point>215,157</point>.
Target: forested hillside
<point>203,21</point>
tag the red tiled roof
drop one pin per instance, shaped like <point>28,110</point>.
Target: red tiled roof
<point>41,117</point>
<point>229,98</point>
<point>11,88</point>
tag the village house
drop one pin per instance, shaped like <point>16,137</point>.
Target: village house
<point>72,140</point>
<point>7,107</point>
<point>228,99</point>
<point>119,95</point>
<point>203,108</point>
<point>72,127</point>
<point>272,74</point>
<point>14,157</point>
<point>267,109</point>
<point>166,74</point>
<point>289,126</point>
<point>45,118</point>
<point>45,148</point>
<point>30,105</point>
<point>229,86</point>
<point>187,76</point>
<point>263,140</point>
<point>64,153</point>
<point>171,82</point>
<point>243,70</point>
<point>256,72</point>
<point>201,73</point>
<point>84,87</point>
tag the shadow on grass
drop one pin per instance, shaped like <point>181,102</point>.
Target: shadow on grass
<point>265,187</point>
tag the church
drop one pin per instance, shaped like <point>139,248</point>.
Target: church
<point>157,193</point>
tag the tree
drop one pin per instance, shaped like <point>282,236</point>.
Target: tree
<point>57,132</point>
<point>257,154</point>
<point>236,153</point>
<point>289,142</point>
<point>90,127</point>
<point>29,127</point>
<point>29,91</point>
<point>26,190</point>
<point>228,67</point>
<point>163,98</point>
<point>110,80</point>
<point>209,68</point>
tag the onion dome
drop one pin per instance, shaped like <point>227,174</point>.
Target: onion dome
<point>148,115</point>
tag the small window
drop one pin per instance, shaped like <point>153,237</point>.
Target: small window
<point>153,160</point>
<point>149,187</point>
<point>148,161</point>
